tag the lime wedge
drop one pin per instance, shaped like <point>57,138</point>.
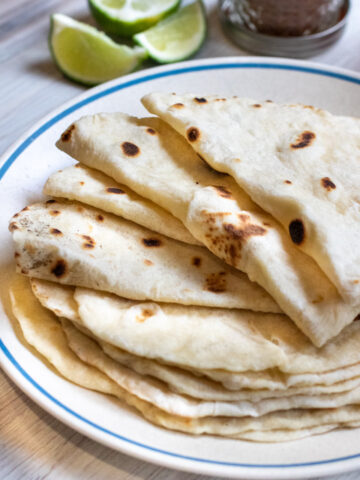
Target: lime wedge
<point>88,56</point>
<point>127,17</point>
<point>177,37</point>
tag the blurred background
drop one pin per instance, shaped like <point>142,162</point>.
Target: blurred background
<point>30,80</point>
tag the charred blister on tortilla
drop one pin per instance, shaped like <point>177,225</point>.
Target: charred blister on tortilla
<point>115,190</point>
<point>305,139</point>
<point>193,134</point>
<point>328,184</point>
<point>130,149</point>
<point>66,136</point>
<point>152,242</point>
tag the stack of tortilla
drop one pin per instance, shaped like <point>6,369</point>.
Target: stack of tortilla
<point>203,266</point>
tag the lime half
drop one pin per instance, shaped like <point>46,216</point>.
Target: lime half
<point>177,37</point>
<point>88,56</point>
<point>127,17</point>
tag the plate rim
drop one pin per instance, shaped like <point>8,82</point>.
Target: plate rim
<point>132,447</point>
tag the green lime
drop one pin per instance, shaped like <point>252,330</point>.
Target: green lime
<point>177,37</point>
<point>127,17</point>
<point>88,56</point>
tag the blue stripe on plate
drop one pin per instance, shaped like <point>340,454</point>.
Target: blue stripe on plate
<point>9,161</point>
<point>147,78</point>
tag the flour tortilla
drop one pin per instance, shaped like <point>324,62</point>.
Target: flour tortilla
<point>59,299</point>
<point>158,394</point>
<point>218,213</point>
<point>71,244</point>
<point>41,329</point>
<point>98,190</point>
<point>276,380</point>
<point>264,146</point>
<point>204,338</point>
<point>196,386</point>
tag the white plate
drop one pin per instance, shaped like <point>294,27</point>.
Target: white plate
<point>24,170</point>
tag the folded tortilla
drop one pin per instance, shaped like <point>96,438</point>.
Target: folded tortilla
<point>98,190</point>
<point>77,245</point>
<point>157,163</point>
<point>299,163</point>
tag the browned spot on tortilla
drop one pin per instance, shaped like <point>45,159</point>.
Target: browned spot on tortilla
<point>100,218</point>
<point>297,231</point>
<point>222,191</point>
<point>82,183</point>
<point>88,246</point>
<point>196,261</point>
<point>216,282</point>
<point>29,247</point>
<point>130,149</point>
<point>55,231</point>
<point>257,105</point>
<point>88,239</point>
<point>269,101</point>
<point>151,242</point>
<point>303,140</point>
<point>226,239</point>
<point>220,99</point>
<point>244,232</point>
<point>233,253</point>
<point>328,184</point>
<point>318,299</point>
<point>288,182</point>
<point>355,282</point>
<point>16,215</point>
<point>25,209</point>
<point>118,191</point>
<point>48,202</point>
<point>200,100</point>
<point>177,105</point>
<point>16,254</point>
<point>193,134</point>
<point>151,131</point>
<point>65,137</point>
<point>54,213</point>
<point>144,315</point>
<point>148,262</point>
<point>24,271</point>
<point>357,317</point>
<point>77,165</point>
<point>267,224</point>
<point>59,269</point>
<point>80,209</point>
<point>13,226</point>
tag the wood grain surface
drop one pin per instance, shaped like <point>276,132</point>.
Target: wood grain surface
<point>33,444</point>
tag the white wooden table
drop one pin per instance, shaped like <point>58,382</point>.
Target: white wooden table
<point>34,445</point>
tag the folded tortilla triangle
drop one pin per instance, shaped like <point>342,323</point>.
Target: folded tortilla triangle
<point>77,245</point>
<point>154,161</point>
<point>299,163</point>
<point>98,190</point>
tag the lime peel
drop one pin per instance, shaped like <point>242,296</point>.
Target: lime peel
<point>177,37</point>
<point>127,17</point>
<point>88,56</point>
